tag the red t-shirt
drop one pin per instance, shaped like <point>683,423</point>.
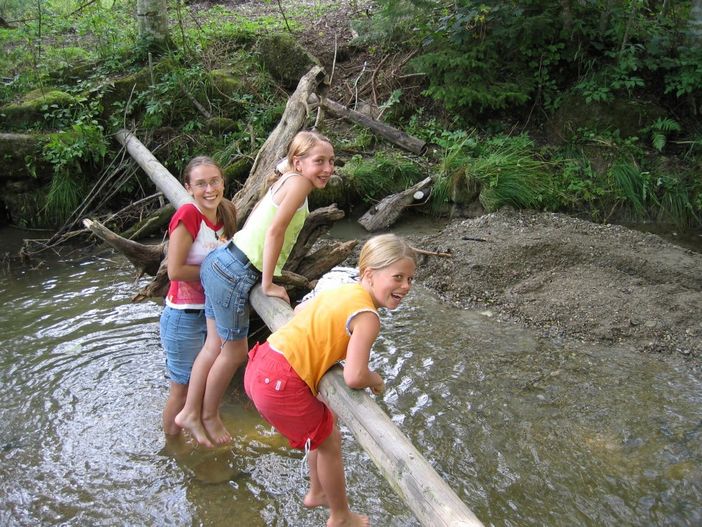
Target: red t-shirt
<point>191,295</point>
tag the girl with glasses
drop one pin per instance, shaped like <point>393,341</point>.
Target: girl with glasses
<point>194,230</point>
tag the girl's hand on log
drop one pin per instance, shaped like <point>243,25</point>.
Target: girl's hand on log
<point>277,291</point>
<point>378,387</point>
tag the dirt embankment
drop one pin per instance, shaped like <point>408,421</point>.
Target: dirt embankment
<point>571,278</point>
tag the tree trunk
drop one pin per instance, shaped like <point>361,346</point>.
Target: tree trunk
<point>317,223</point>
<point>695,24</point>
<point>162,178</point>
<point>145,258</point>
<point>152,22</point>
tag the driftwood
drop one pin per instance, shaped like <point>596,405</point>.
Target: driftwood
<point>395,136</point>
<point>275,147</point>
<point>385,213</point>
<point>428,496</point>
<point>318,222</point>
<point>145,258</point>
<point>151,225</point>
<point>322,260</point>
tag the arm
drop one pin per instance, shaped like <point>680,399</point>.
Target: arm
<point>292,196</point>
<point>365,328</point>
<point>178,249</point>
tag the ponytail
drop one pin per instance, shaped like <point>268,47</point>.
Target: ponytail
<point>226,213</point>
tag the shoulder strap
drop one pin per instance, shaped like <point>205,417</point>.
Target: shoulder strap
<point>282,181</point>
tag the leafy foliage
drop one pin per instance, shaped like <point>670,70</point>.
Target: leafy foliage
<point>501,171</point>
<point>376,177</point>
<point>71,153</point>
<point>490,55</point>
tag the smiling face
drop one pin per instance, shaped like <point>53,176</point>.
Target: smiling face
<point>207,187</point>
<point>317,165</point>
<point>389,285</point>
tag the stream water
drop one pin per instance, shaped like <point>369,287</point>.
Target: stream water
<point>528,432</point>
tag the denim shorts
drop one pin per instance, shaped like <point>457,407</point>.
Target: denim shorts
<point>182,337</point>
<point>228,278</point>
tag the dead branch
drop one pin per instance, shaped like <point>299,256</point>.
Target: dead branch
<point>385,213</point>
<point>395,136</point>
<point>146,258</point>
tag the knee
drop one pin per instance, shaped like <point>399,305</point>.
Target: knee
<point>332,444</point>
<point>235,350</point>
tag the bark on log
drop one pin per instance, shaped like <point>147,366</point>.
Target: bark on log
<point>145,258</point>
<point>157,288</point>
<point>325,258</point>
<point>395,136</point>
<point>428,496</point>
<point>275,147</point>
<point>385,213</point>
<point>162,178</point>
<point>318,222</point>
<point>150,225</point>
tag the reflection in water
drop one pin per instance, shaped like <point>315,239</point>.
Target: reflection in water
<point>526,431</point>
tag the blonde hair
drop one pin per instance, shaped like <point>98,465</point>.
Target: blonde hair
<point>384,250</point>
<point>300,146</point>
<point>226,211</point>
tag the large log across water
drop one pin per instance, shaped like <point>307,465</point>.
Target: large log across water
<point>162,178</point>
<point>428,496</point>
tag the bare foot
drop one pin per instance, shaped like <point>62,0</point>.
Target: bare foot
<point>349,520</point>
<point>193,425</point>
<point>315,500</point>
<point>216,430</point>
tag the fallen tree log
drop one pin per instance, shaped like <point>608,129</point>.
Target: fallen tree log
<point>317,223</point>
<point>426,494</point>
<point>162,178</point>
<point>385,213</point>
<point>151,225</point>
<point>146,258</point>
<point>395,136</point>
<point>319,262</point>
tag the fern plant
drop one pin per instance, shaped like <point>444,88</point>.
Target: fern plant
<point>660,130</point>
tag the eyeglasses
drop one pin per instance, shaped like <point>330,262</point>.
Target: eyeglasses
<point>214,183</point>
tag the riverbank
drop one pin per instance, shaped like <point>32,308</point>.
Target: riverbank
<point>569,278</point>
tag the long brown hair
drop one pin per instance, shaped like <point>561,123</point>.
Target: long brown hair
<point>301,144</point>
<point>226,211</point>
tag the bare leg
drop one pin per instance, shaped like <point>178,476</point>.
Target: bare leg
<point>315,497</point>
<point>174,404</point>
<point>330,469</point>
<point>232,355</point>
<point>190,417</point>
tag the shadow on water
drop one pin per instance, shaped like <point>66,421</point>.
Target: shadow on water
<point>528,432</point>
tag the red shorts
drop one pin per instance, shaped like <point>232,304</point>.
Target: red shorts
<point>285,400</point>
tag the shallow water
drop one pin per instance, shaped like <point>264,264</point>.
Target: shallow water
<point>528,432</point>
